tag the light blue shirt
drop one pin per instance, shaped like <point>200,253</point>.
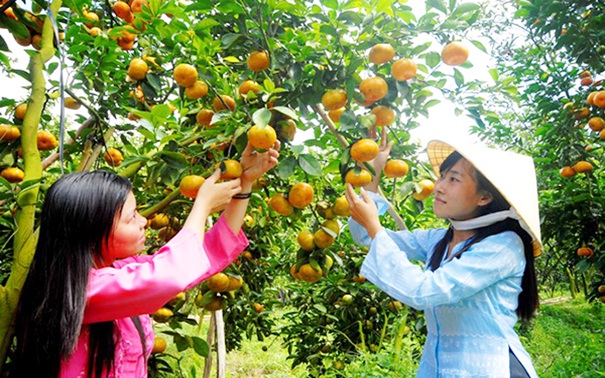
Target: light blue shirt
<point>470,302</point>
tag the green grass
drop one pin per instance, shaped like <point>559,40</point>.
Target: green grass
<point>566,339</point>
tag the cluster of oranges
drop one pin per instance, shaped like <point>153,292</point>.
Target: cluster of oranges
<point>215,289</point>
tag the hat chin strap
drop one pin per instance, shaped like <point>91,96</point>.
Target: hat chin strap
<point>488,220</point>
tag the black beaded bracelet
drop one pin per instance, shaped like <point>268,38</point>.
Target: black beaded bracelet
<point>242,195</point>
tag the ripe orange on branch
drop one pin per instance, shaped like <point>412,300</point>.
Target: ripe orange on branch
<point>374,88</point>
<point>364,150</point>
<point>582,166</point>
<point>185,74</point>
<point>381,53</point>
<point>585,252</point>
<point>454,53</point>
<point>384,115</point>
<point>46,141</point>
<point>219,282</point>
<point>280,204</point>
<point>159,345</point>
<point>247,86</point>
<point>9,133</point>
<point>223,102</point>
<point>20,111</point>
<point>567,171</point>
<point>334,99</point>
<point>13,174</point>
<point>404,69</point>
<point>72,103</point>
<point>305,240</point>
<point>396,168</point>
<point>137,69</point>
<point>341,207</point>
<point>196,90</point>
<point>204,117</point>
<point>113,157</point>
<point>262,138</point>
<point>190,185</point>
<point>596,123</point>
<point>426,187</point>
<point>335,114</point>
<point>360,178</point>
<point>230,169</point>
<point>258,61</point>
<point>301,195</point>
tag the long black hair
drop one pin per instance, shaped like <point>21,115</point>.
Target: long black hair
<point>528,298</point>
<point>77,217</point>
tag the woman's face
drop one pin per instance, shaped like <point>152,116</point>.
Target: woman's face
<point>456,195</point>
<point>127,238</point>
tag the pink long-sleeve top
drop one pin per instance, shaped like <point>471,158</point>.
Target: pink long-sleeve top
<point>139,285</point>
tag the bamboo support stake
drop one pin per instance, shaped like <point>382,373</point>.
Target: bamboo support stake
<point>221,350</point>
<point>343,142</point>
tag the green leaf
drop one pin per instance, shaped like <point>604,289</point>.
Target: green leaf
<point>3,45</point>
<point>261,117</point>
<point>286,111</point>
<point>200,346</point>
<point>494,74</point>
<point>174,159</point>
<point>479,45</point>
<point>332,4</point>
<point>437,4</point>
<point>309,164</point>
<point>286,167</point>
<point>432,59</point>
<point>229,39</point>
<point>465,8</point>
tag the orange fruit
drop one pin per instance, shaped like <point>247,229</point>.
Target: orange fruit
<point>602,134</point>
<point>46,141</point>
<point>280,204</point>
<point>262,138</point>
<point>360,178</point>
<point>230,169</point>
<point>586,81</point>
<point>258,61</point>
<point>454,53</point>
<point>113,157</point>
<point>204,117</point>
<point>235,283</point>
<point>567,171</point>
<point>159,345</point>
<point>305,240</point>
<point>584,74</point>
<point>197,90</point>
<point>334,99</point>
<point>341,207</point>
<point>190,185</point>
<point>364,150</point>
<point>332,225</point>
<point>214,305</point>
<point>162,315</point>
<point>396,168</point>
<point>582,167</point>
<point>381,53</point>
<point>259,183</point>
<point>37,41</point>
<point>247,86</point>
<point>125,45</point>
<point>590,98</point>
<point>122,10</point>
<point>309,274</point>
<point>72,103</point>
<point>426,187</point>
<point>159,221</point>
<point>301,195</point>
<point>384,115</point>
<point>137,69</point>
<point>259,308</point>
<point>9,133</point>
<point>92,17</point>
<point>95,31</point>
<point>137,5</point>
<point>404,69</point>
<point>219,282</point>
<point>335,114</point>
<point>13,174</point>
<point>287,130</point>
<point>294,273</point>
<point>322,239</point>
<point>374,88</point>
<point>227,103</point>
<point>599,99</point>
<point>596,123</point>
<point>585,252</point>
<point>185,74</point>
<point>581,113</point>
<point>20,111</point>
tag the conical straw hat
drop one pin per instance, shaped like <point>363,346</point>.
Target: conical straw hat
<point>511,173</point>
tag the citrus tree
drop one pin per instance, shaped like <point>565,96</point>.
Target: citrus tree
<point>165,91</point>
<point>554,59</point>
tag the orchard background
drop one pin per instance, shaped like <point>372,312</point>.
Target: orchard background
<point>340,71</point>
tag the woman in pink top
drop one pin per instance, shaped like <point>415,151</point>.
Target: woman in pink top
<point>85,303</point>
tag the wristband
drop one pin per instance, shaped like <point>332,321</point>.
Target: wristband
<point>242,195</point>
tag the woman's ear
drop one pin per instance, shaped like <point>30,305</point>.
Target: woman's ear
<point>485,199</point>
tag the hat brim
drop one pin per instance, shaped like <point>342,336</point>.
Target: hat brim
<point>513,174</point>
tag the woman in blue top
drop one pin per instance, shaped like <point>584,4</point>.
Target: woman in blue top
<point>479,275</point>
